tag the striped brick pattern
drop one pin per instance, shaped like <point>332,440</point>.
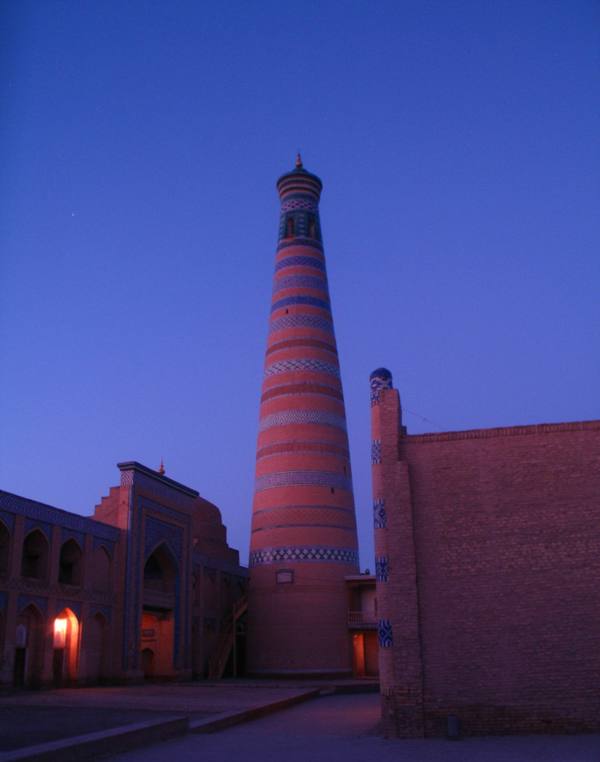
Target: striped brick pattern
<point>303,511</point>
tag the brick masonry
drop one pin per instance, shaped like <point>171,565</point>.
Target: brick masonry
<point>493,560</point>
<point>303,539</point>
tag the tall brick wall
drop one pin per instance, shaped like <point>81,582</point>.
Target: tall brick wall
<point>506,537</point>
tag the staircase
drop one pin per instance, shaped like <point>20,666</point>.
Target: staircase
<point>226,641</point>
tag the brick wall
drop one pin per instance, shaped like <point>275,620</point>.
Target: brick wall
<point>506,537</point>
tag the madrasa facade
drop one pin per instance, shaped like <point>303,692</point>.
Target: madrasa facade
<point>484,610</point>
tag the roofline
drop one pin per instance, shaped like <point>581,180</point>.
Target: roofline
<point>133,465</point>
<point>503,431</point>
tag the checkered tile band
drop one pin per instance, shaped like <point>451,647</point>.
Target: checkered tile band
<point>291,366</point>
<point>273,555</point>
<point>301,417</point>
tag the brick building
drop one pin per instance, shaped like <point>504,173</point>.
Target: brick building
<point>487,550</point>
<point>145,587</point>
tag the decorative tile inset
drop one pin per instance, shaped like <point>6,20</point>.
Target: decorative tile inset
<point>382,569</point>
<point>379,514</point>
<point>271,555</point>
<point>376,452</point>
<point>378,380</point>
<point>300,261</point>
<point>384,633</point>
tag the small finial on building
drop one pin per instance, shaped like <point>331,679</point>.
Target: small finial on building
<point>161,468</point>
<point>298,161</point>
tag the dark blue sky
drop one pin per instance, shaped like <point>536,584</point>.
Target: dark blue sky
<point>140,143</point>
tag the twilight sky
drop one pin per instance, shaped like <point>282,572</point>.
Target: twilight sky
<point>139,146</point>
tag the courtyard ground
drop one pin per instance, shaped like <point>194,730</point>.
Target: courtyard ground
<point>341,728</point>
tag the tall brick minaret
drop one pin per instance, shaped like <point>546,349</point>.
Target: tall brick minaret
<point>303,538</point>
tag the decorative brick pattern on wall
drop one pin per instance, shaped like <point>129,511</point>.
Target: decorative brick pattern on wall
<point>301,418</point>
<point>273,555</point>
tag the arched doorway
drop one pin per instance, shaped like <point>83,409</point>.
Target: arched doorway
<point>148,662</point>
<point>65,648</point>
<point>29,648</point>
<point>96,642</point>
<point>158,615</point>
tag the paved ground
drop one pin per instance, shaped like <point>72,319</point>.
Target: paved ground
<point>343,728</point>
<point>29,725</point>
<point>34,717</point>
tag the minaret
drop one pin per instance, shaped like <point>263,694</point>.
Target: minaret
<point>303,540</point>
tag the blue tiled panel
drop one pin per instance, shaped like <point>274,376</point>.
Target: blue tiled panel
<point>8,519</point>
<point>384,633</point>
<point>379,514</point>
<point>156,532</point>
<point>376,452</point>
<point>24,601</point>
<point>382,569</point>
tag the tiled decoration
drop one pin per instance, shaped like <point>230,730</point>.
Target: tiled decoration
<point>303,478</point>
<point>302,417</point>
<point>384,633</point>
<point>305,363</point>
<point>47,515</point>
<point>291,204</point>
<point>379,379</point>
<point>382,569</point>
<point>300,261</point>
<point>300,281</point>
<point>25,600</point>
<point>379,514</point>
<point>156,532</point>
<point>301,321</point>
<point>311,301</point>
<point>272,555</point>
<point>376,452</point>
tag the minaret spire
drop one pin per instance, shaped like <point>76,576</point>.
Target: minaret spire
<point>303,540</point>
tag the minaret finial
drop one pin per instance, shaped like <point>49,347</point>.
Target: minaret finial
<point>161,468</point>
<point>298,161</point>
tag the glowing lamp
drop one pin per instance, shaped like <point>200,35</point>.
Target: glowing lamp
<point>60,633</point>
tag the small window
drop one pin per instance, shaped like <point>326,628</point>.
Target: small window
<point>289,227</point>
<point>333,490</point>
<point>284,576</point>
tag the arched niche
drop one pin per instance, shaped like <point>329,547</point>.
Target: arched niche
<point>70,564</point>
<point>160,570</point>
<point>100,569</point>
<point>34,560</point>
